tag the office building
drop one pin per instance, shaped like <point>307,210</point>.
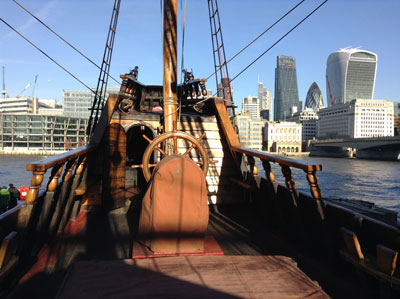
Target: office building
<point>25,105</point>
<point>286,92</point>
<point>282,137</point>
<point>350,74</point>
<point>308,118</point>
<point>265,100</point>
<point>250,131</point>
<point>358,118</point>
<point>396,112</point>
<point>314,98</point>
<point>41,132</point>
<point>251,105</point>
<point>77,103</point>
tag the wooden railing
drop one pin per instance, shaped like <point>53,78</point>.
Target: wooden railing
<point>286,165</point>
<point>44,213</point>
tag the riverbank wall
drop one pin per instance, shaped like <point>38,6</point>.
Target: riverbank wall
<point>30,152</point>
<point>379,154</point>
<point>291,155</point>
<point>331,152</point>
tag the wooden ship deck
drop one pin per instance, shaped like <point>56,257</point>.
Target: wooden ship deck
<point>86,235</point>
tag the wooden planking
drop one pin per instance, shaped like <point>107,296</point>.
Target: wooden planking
<point>210,134</point>
<point>352,244</point>
<point>207,143</point>
<point>189,126</point>
<point>386,259</point>
<point>8,248</point>
<point>226,276</point>
<point>115,165</point>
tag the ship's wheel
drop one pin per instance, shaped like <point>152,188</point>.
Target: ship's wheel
<point>167,144</point>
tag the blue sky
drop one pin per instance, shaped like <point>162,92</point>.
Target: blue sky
<point>371,25</point>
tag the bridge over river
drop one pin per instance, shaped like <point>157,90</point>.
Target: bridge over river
<point>382,148</point>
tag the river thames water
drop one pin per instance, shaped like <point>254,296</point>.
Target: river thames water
<point>374,181</point>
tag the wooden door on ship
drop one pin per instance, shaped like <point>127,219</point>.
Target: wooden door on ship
<point>135,146</point>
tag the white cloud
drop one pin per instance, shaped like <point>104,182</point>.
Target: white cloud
<point>41,14</point>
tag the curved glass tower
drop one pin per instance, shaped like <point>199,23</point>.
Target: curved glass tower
<point>350,74</point>
<point>286,93</point>
<point>314,97</point>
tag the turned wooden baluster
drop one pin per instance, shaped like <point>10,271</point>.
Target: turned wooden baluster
<point>51,188</point>
<point>60,205</point>
<point>289,181</point>
<point>268,171</point>
<point>314,187</point>
<point>36,182</point>
<point>55,175</point>
<point>252,164</point>
<point>69,170</point>
<point>70,200</point>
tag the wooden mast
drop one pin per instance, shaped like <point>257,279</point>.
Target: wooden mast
<point>170,66</point>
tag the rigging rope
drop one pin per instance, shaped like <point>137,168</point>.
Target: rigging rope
<point>183,24</point>
<point>254,40</point>
<point>45,54</point>
<point>69,44</point>
<point>287,33</point>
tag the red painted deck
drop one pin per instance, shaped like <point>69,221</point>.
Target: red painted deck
<point>211,247</point>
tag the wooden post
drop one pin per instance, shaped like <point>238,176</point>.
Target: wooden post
<point>314,187</point>
<point>170,66</point>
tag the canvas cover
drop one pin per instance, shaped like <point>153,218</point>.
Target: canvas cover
<point>174,213</point>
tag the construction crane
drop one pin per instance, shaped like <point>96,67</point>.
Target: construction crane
<point>4,92</point>
<point>25,88</point>
<point>34,85</point>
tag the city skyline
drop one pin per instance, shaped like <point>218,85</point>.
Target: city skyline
<point>324,31</point>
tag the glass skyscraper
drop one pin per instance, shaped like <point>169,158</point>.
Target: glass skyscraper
<point>265,100</point>
<point>286,93</point>
<point>350,74</point>
<point>314,97</point>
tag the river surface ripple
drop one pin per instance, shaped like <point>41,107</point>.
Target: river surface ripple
<point>374,181</point>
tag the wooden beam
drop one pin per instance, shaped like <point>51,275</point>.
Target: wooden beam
<point>227,127</point>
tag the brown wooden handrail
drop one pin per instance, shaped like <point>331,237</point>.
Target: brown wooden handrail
<point>285,164</point>
<point>50,162</point>
<point>279,160</point>
<point>39,168</point>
